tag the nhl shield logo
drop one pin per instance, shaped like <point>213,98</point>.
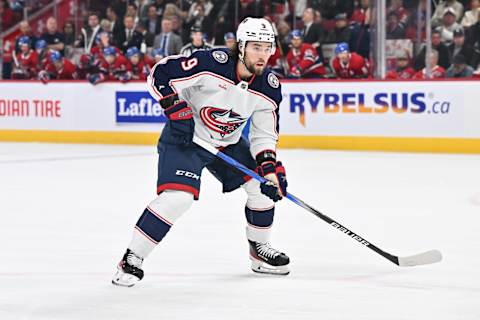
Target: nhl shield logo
<point>220,56</point>
<point>273,81</point>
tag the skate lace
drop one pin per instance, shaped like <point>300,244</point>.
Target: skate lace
<point>134,260</point>
<point>266,250</point>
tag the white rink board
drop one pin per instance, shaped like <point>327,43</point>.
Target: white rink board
<point>304,110</point>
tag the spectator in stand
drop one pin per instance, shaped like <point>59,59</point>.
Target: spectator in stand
<point>303,60</point>
<point>361,14</point>
<point>152,22</point>
<point>395,29</point>
<point>106,25</point>
<point>168,42</point>
<point>459,68</point>
<point>341,32</point>
<point>59,68</point>
<point>200,20</point>
<point>448,25</point>
<point>69,33</point>
<point>89,33</point>
<point>7,18</point>
<point>116,24</point>
<point>25,30</point>
<point>283,30</point>
<point>132,11</point>
<point>197,42</point>
<point>142,11</point>
<point>54,39</point>
<point>417,22</point>
<point>471,16</point>
<point>436,71</point>
<point>313,33</point>
<point>442,6</point>
<point>397,7</point>
<point>403,70</point>
<point>459,46</point>
<point>139,68</point>
<point>26,60</point>
<point>348,65</point>
<point>43,53</point>
<point>128,37</point>
<point>330,8</point>
<point>442,51</point>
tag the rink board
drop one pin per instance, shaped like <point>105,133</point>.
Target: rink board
<point>428,116</point>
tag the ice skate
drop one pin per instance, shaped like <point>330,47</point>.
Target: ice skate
<point>268,260</point>
<point>128,270</point>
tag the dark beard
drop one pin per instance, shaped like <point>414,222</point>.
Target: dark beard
<point>251,69</point>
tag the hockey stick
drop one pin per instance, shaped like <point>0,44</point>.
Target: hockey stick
<point>427,257</point>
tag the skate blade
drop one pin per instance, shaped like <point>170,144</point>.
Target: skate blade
<point>123,279</point>
<point>264,268</point>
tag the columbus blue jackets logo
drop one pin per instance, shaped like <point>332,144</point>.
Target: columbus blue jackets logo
<point>222,121</point>
<point>273,81</point>
<point>220,56</point>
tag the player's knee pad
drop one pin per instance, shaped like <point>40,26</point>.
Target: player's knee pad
<point>256,199</point>
<point>171,204</point>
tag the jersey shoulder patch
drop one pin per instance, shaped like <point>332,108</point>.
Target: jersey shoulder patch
<point>220,56</point>
<point>273,80</point>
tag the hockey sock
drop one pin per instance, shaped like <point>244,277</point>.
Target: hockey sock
<point>259,224</point>
<point>157,219</point>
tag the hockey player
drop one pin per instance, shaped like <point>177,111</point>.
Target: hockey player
<point>43,53</point>
<point>230,40</point>
<point>139,69</point>
<point>196,44</point>
<point>348,65</point>
<point>59,68</point>
<point>212,95</point>
<point>26,60</point>
<point>87,66</point>
<point>303,60</point>
<point>113,66</point>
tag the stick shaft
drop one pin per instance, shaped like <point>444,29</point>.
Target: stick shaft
<point>297,201</point>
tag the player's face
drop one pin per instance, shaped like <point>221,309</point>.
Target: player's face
<point>24,48</point>
<point>230,43</point>
<point>256,56</point>
<point>344,57</point>
<point>135,59</point>
<point>110,59</point>
<point>296,42</point>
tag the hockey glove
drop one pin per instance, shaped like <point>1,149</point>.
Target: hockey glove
<point>276,186</point>
<point>181,119</point>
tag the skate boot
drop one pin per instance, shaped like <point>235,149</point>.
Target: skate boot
<point>128,270</point>
<point>266,259</point>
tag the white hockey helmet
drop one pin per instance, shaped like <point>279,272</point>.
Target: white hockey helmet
<point>254,29</point>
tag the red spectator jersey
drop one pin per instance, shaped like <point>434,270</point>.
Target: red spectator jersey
<point>306,58</point>
<point>140,71</point>
<point>66,72</point>
<point>117,70</point>
<point>406,73</point>
<point>27,65</point>
<point>356,67</point>
<point>436,73</point>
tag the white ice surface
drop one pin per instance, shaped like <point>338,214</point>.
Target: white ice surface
<point>67,212</point>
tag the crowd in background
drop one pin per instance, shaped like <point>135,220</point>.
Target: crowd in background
<point>122,40</point>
